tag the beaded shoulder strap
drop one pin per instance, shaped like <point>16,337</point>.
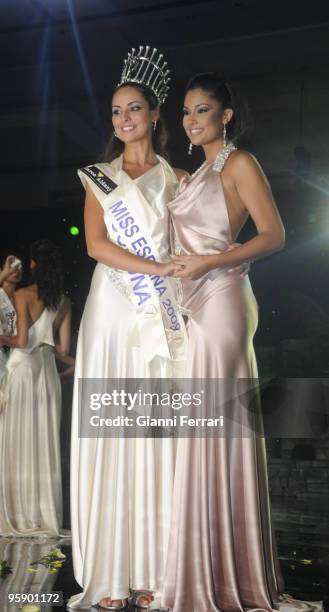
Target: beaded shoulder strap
<point>221,158</point>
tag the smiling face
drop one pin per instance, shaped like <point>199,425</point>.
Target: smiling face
<point>204,117</point>
<point>132,116</point>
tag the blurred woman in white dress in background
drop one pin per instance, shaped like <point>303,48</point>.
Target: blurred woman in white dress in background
<point>10,275</point>
<point>30,473</point>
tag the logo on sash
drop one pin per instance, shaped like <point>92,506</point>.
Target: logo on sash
<point>100,179</point>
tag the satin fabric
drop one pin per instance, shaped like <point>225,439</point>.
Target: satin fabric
<point>7,325</point>
<point>121,489</point>
<point>221,555</point>
<point>30,467</point>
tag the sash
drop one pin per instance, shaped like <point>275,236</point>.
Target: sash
<point>133,224</point>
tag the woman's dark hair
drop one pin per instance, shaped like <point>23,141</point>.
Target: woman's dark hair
<point>115,146</point>
<point>48,272</point>
<point>220,89</point>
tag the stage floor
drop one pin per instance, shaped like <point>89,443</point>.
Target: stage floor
<point>302,538</point>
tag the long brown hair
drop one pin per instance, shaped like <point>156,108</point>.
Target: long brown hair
<point>115,146</point>
<point>48,272</point>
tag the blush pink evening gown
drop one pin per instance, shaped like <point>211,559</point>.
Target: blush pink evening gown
<point>222,554</point>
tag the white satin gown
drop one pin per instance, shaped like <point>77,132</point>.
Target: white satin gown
<point>121,489</point>
<point>30,466</point>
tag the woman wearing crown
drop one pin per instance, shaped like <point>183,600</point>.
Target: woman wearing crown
<point>121,488</point>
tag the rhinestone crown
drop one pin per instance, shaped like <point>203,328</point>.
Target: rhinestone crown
<point>143,66</point>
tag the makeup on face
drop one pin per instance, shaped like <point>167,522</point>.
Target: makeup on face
<point>131,115</point>
<point>202,119</point>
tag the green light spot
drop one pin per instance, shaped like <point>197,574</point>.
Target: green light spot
<point>74,230</point>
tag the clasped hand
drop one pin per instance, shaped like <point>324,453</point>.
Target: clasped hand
<point>193,266</point>
<point>190,267</point>
<point>184,266</point>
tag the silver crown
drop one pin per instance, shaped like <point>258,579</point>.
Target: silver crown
<point>144,67</point>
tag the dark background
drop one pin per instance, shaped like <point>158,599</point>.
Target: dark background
<point>59,60</point>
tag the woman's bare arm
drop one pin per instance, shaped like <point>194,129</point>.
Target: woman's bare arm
<point>69,361</point>
<point>62,327</point>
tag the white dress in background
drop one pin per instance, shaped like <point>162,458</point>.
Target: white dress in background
<point>7,326</point>
<point>121,489</point>
<point>30,466</point>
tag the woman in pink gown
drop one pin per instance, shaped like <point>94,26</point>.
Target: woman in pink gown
<point>222,553</point>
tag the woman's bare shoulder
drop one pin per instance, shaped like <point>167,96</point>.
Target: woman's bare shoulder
<point>241,159</point>
<point>25,293</point>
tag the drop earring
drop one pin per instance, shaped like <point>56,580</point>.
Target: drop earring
<point>190,149</point>
<point>115,134</point>
<point>224,135</point>
<point>154,126</point>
